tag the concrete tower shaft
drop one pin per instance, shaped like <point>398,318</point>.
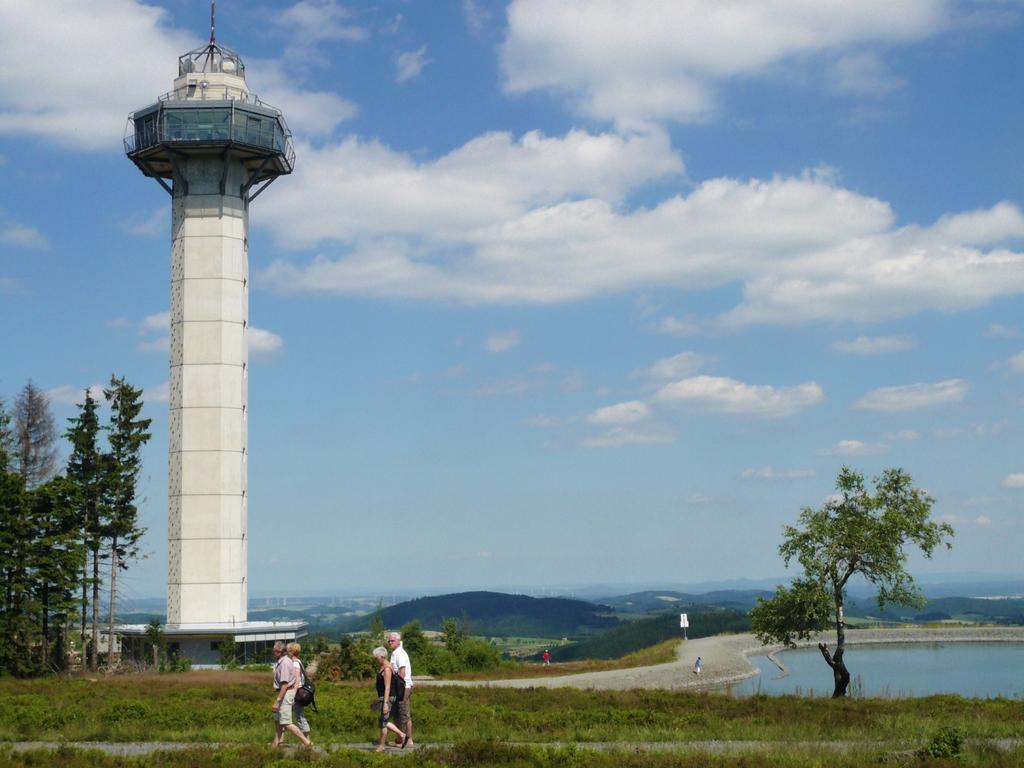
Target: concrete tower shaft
<point>207,478</point>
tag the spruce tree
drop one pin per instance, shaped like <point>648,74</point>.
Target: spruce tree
<point>88,472</point>
<point>35,437</point>
<point>127,434</point>
<point>57,556</point>
<point>19,633</point>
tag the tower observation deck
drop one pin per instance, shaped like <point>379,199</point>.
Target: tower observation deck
<point>214,147</point>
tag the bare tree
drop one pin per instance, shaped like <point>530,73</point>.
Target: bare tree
<point>35,437</point>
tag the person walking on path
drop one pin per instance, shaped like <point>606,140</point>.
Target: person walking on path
<point>696,667</point>
<point>285,685</point>
<point>547,657</point>
<point>386,698</point>
<point>401,664</point>
<point>298,711</point>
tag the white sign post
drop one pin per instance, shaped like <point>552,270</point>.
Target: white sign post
<point>684,622</point>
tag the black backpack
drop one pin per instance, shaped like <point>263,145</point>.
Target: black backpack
<point>397,686</point>
<point>305,695</point>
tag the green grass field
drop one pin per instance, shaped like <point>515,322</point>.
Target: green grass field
<point>234,708</point>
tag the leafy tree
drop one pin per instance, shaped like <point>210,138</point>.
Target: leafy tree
<point>854,533</point>
<point>127,434</point>
<point>88,470</point>
<point>455,633</point>
<point>413,639</point>
<point>157,642</point>
<point>35,437</point>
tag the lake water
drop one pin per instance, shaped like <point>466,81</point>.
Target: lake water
<point>911,669</point>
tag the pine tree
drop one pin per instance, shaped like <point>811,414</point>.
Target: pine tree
<point>127,434</point>
<point>35,437</point>
<point>88,472</point>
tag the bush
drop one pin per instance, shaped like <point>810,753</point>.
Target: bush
<point>352,661</point>
<point>948,742</point>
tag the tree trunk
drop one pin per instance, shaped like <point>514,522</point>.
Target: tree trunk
<point>46,625</point>
<point>85,603</point>
<point>113,603</point>
<point>95,660</point>
<point>840,673</point>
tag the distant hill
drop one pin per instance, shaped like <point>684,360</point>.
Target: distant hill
<point>497,614</point>
<point>667,601</point>
<point>974,609</point>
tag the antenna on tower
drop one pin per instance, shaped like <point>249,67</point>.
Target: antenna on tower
<point>213,34</point>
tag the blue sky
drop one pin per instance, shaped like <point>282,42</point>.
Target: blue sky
<point>559,293</point>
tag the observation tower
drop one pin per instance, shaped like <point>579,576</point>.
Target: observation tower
<point>214,147</point>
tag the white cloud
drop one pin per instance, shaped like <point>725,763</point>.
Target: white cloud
<point>20,235</point>
<point>160,393</point>
<point>770,473</point>
<point>410,64</point>
<point>76,99</point>
<point>153,225</point>
<point>159,344</point>
<point>311,21</point>
<point>160,321</point>
<point>1003,331</point>
<point>1014,481</point>
<point>676,367</point>
<point>505,340</point>
<point>543,220</point>
<point>905,435</point>
<point>309,113</point>
<point>863,345</point>
<point>863,73</point>
<point>1016,363</point>
<point>677,326</point>
<point>621,436</point>
<point>69,395</point>
<point>621,413</point>
<point>263,344</point>
<point>481,195</point>
<point>983,520</point>
<point>852,448</point>
<point>476,17</point>
<point>649,60</point>
<point>84,105</point>
<point>914,396</point>
<point>724,395</point>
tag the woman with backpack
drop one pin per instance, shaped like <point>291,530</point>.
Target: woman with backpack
<point>388,684</point>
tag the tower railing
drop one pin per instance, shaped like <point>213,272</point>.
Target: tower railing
<point>216,121</point>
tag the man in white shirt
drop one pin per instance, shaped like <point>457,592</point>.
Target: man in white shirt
<point>401,665</point>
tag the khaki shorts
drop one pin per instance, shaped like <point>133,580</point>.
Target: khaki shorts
<point>284,710</point>
<point>404,708</point>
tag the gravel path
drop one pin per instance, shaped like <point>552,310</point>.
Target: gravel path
<point>724,659</point>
